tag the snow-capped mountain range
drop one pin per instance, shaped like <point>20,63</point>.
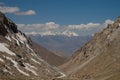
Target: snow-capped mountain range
<point>51,33</point>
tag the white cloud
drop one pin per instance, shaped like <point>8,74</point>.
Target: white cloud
<point>9,9</point>
<point>83,26</point>
<point>92,25</point>
<point>46,26</point>
<point>41,33</point>
<point>15,10</point>
<point>51,28</point>
<point>108,21</point>
<point>51,25</point>
<point>29,12</point>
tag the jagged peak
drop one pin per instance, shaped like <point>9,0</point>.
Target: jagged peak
<point>1,17</point>
<point>114,26</point>
<point>117,20</point>
<point>6,25</point>
<point>116,23</point>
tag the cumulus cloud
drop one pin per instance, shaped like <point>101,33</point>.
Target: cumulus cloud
<point>83,26</point>
<point>9,9</point>
<point>108,21</point>
<point>51,28</point>
<point>15,10</point>
<point>29,12</point>
<point>41,33</point>
<point>51,25</point>
<point>46,26</point>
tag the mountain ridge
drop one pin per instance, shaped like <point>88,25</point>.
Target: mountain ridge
<point>18,59</point>
<point>99,58</point>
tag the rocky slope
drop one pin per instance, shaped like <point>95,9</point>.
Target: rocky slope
<point>99,59</point>
<point>18,61</point>
<point>48,56</point>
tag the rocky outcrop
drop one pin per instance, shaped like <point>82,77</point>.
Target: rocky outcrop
<point>99,58</point>
<point>18,60</point>
<point>7,25</point>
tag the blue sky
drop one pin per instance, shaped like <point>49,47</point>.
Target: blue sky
<point>65,12</point>
<point>62,12</point>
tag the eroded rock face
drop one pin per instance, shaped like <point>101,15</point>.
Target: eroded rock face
<point>6,25</point>
<point>99,58</point>
<point>3,31</point>
<point>18,60</point>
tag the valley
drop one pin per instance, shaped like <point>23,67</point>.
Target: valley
<point>50,51</point>
<point>61,45</point>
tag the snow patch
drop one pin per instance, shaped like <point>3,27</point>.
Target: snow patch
<point>32,52</point>
<point>3,48</point>
<point>1,60</point>
<point>8,38</point>
<point>119,26</point>
<point>29,47</point>
<point>27,64</point>
<point>62,75</point>
<point>35,55</point>
<point>108,37</point>
<point>30,68</point>
<point>38,57</point>
<point>7,67</point>
<point>21,38</point>
<point>35,61</point>
<point>16,66</point>
<point>18,43</point>
<point>5,70</point>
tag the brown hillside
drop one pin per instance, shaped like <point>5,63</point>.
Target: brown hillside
<point>99,59</point>
<point>48,56</point>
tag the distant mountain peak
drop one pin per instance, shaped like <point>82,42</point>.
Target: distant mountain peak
<point>52,33</point>
<point>69,34</point>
